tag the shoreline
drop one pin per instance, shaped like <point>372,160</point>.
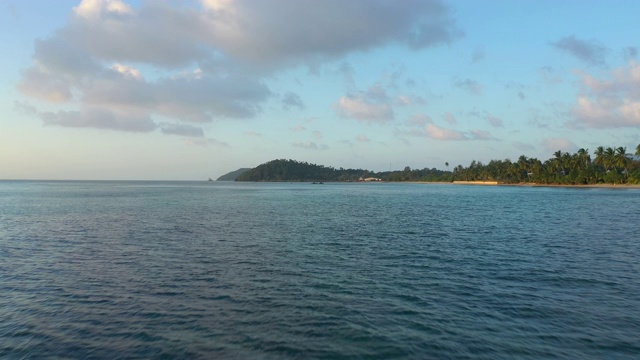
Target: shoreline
<point>495,183</point>
<point>594,186</point>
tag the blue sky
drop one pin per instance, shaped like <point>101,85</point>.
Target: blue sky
<point>187,90</point>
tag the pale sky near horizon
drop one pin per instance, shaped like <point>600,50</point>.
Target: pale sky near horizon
<point>186,90</point>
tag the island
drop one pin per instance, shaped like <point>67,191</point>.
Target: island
<point>613,166</point>
<point>233,175</point>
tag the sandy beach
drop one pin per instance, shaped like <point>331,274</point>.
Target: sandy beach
<point>495,183</point>
<point>604,186</point>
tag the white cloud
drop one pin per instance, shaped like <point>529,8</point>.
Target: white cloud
<point>98,58</point>
<point>438,133</point>
<point>609,103</point>
<point>92,9</point>
<point>276,31</point>
<point>309,145</point>
<point>552,145</point>
<point>127,71</point>
<point>361,109</point>
<point>404,100</point>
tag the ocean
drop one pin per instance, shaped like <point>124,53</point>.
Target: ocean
<point>210,270</point>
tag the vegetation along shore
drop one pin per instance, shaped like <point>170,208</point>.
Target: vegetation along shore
<point>607,166</point>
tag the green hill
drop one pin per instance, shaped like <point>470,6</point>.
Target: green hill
<point>292,170</point>
<point>232,176</point>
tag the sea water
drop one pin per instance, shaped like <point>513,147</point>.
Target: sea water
<point>339,270</point>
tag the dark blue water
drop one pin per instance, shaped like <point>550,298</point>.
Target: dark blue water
<point>208,270</point>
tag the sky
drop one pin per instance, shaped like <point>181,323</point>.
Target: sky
<point>192,89</point>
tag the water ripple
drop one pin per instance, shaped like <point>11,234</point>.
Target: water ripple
<point>272,271</point>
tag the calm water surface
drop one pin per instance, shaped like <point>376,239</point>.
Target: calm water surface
<point>224,270</point>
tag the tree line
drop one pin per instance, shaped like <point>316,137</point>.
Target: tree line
<point>607,165</point>
<point>292,170</point>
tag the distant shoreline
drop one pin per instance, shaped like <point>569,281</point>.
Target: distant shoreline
<point>495,183</point>
<point>603,186</point>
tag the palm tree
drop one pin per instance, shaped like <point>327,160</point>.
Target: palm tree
<point>638,150</point>
<point>599,153</point>
<point>556,162</point>
<point>584,160</point>
<point>609,158</point>
<point>621,158</point>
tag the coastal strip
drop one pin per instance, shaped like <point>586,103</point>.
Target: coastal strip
<point>476,182</point>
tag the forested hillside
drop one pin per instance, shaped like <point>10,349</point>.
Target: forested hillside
<point>609,165</point>
<point>232,176</point>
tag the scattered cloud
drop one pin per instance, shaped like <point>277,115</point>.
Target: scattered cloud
<point>182,130</point>
<point>207,142</point>
<point>317,135</point>
<point>550,76</point>
<point>477,134</point>
<point>363,110</point>
<point>590,52</point>
<point>552,145</point>
<point>470,86</point>
<point>438,133</point>
<point>630,53</point>
<point>90,118</point>
<point>521,146</point>
<point>290,100</point>
<point>376,93</point>
<point>403,100</point>
<point>537,119</point>
<point>347,71</point>
<point>449,118</point>
<point>362,138</point>
<point>348,143</point>
<point>309,145</point>
<point>253,134</point>
<point>407,100</point>
<point>494,121</point>
<point>477,55</point>
<point>419,120</point>
<point>609,103</point>
<point>298,128</point>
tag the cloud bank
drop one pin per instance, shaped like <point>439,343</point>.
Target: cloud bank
<point>609,103</point>
<point>124,67</point>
